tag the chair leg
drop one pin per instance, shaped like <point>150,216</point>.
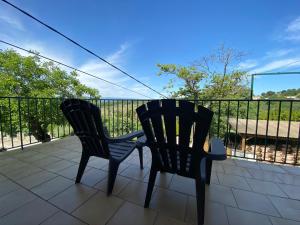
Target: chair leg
<point>140,149</point>
<point>208,170</point>
<point>112,174</point>
<point>152,177</point>
<point>83,162</point>
<point>200,197</point>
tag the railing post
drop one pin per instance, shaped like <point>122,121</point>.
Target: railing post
<point>252,86</point>
<point>20,122</point>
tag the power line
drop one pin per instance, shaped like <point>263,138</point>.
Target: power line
<point>82,47</point>
<point>73,68</point>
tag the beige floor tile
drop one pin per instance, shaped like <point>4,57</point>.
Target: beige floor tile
<point>32,213</point>
<point>162,179</point>
<point>97,162</point>
<point>292,170</point>
<point>236,170</point>
<point>220,194</point>
<point>241,217</point>
<point>280,221</point>
<point>62,218</point>
<point>289,179</point>
<point>35,157</point>
<point>134,172</point>
<point>14,200</point>
<point>292,191</point>
<point>12,166</point>
<point>266,187</point>
<point>135,192</point>
<point>183,184</point>
<point>247,164</point>
<point>51,188</point>
<point>119,185</point>
<point>165,220</point>
<point>93,176</point>
<point>122,167</point>
<point>264,175</point>
<point>71,172</point>
<point>254,202</point>
<point>99,209</point>
<point>233,181</point>
<point>2,178</point>
<point>59,165</point>
<point>139,216</point>
<point>43,163</point>
<point>7,160</point>
<point>36,179</point>
<point>169,203</point>
<point>214,178</point>
<point>7,186</point>
<point>73,197</point>
<point>23,172</point>
<point>289,209</point>
<point>217,167</point>
<point>214,213</point>
<point>271,167</point>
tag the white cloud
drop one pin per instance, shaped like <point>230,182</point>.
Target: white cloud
<point>292,31</point>
<point>101,69</point>
<point>11,21</point>
<point>14,32</point>
<point>278,64</point>
<point>248,64</point>
<point>278,53</point>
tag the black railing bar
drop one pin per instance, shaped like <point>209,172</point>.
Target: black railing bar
<point>10,121</point>
<point>288,132</point>
<point>256,128</point>
<point>246,129</point>
<point>131,115</point>
<point>236,127</point>
<point>57,114</point>
<point>227,123</point>
<point>267,129</point>
<point>20,122</point>
<point>113,117</point>
<point>28,118</point>
<point>127,115</point>
<point>277,132</point>
<point>298,145</point>
<point>122,117</point>
<point>1,126</point>
<point>219,116</point>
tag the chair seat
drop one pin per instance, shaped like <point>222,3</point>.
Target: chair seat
<point>120,151</point>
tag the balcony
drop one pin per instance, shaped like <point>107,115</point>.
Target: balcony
<point>37,187</point>
<point>259,183</point>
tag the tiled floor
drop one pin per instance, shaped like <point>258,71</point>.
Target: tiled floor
<point>37,187</point>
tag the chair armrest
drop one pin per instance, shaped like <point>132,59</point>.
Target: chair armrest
<point>126,137</point>
<point>217,150</point>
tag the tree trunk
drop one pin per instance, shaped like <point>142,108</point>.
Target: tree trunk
<point>37,130</point>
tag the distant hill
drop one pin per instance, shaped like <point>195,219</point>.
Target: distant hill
<point>285,94</point>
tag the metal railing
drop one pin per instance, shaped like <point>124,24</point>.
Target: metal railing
<point>266,130</point>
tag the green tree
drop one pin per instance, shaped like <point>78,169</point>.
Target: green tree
<point>28,76</point>
<point>216,76</point>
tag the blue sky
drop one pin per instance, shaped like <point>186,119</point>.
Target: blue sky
<point>136,35</point>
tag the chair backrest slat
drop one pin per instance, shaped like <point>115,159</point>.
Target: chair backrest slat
<point>169,115</point>
<point>160,120</point>
<point>85,119</point>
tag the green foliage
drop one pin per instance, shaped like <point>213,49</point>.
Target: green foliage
<point>281,94</point>
<point>213,77</point>
<point>28,76</point>
<point>191,77</point>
